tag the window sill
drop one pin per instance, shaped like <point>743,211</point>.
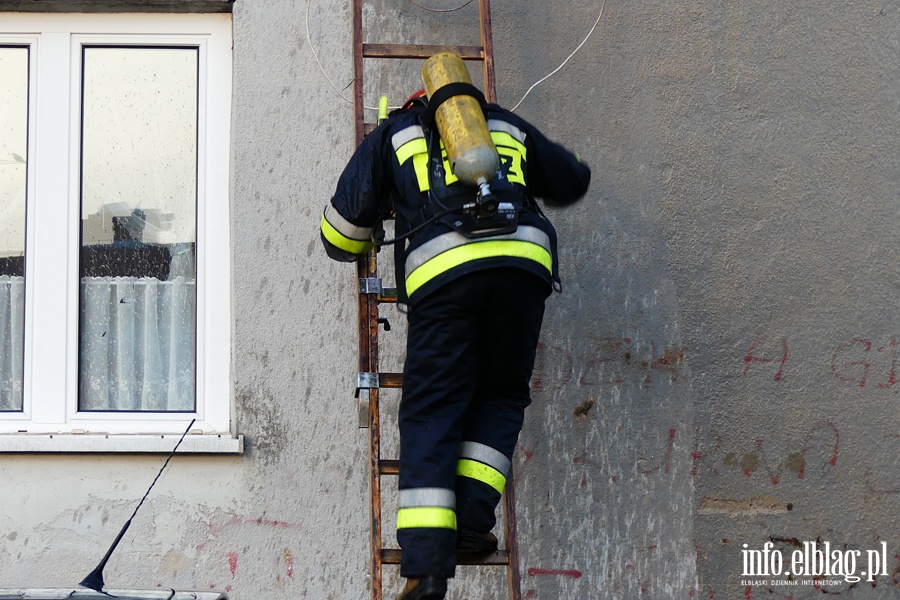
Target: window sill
<point>144,6</point>
<point>120,443</point>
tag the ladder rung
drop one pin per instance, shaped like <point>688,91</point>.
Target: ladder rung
<point>391,556</point>
<point>389,298</point>
<point>420,51</point>
<point>499,557</point>
<point>390,380</point>
<point>389,467</point>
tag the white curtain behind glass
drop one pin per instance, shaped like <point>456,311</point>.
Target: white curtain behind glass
<point>137,344</point>
<point>12,341</point>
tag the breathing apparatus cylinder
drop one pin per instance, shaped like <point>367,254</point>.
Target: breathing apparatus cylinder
<point>460,121</point>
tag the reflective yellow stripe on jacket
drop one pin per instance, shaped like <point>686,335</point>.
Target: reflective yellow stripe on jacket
<point>427,508</point>
<point>409,144</point>
<point>453,249</point>
<point>345,235</point>
<point>510,143</point>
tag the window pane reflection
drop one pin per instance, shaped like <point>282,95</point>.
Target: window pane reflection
<point>13,177</point>
<point>138,211</point>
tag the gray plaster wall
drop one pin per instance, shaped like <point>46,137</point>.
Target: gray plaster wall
<point>720,369</point>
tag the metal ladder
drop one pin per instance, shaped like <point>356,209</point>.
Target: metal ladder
<point>372,293</point>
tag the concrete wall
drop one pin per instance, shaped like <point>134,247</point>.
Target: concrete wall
<point>720,369</point>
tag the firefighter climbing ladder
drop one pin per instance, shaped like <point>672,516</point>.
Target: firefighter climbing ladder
<point>372,293</point>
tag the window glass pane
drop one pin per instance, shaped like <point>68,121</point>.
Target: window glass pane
<point>138,210</point>
<point>13,176</point>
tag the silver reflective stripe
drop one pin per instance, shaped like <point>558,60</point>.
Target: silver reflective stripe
<point>485,454</point>
<point>515,132</point>
<point>448,241</point>
<point>345,227</point>
<point>406,135</point>
<point>417,497</point>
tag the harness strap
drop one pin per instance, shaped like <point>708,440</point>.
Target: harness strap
<point>444,93</point>
<point>400,227</point>
<point>440,198</point>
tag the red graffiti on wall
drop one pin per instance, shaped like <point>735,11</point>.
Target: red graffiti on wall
<point>535,571</point>
<point>216,529</point>
<point>823,438</point>
<point>605,361</point>
<point>584,460</point>
<point>233,558</point>
<point>289,562</point>
<point>564,370</point>
<point>664,462</point>
<point>771,355</point>
<point>703,458</point>
<point>614,360</point>
<point>853,362</point>
<point>608,351</point>
<point>856,361</point>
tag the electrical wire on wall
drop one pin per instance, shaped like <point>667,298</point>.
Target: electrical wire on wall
<point>440,10</point>
<point>563,63</point>
<point>340,93</point>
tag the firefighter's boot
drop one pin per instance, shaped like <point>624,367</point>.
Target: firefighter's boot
<point>429,587</point>
<point>469,541</point>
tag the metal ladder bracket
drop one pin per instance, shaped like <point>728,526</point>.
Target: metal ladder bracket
<point>366,381</point>
<point>374,285</point>
<point>362,409</point>
<point>371,285</point>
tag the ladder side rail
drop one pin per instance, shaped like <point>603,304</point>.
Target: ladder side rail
<point>487,45</point>
<point>358,71</point>
<point>368,363</point>
<point>368,327</point>
<point>512,541</point>
<point>377,560</point>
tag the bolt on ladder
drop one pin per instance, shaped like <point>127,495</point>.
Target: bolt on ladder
<point>371,294</point>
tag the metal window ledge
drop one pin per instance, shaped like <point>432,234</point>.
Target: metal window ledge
<point>120,443</point>
<point>63,593</point>
<point>169,6</point>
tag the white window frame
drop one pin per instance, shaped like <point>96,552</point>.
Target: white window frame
<point>53,240</point>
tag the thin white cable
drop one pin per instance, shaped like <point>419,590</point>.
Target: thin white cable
<point>321,68</point>
<point>318,62</point>
<point>553,72</point>
<point>441,10</point>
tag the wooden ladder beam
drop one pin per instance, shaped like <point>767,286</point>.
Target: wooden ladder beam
<point>420,51</point>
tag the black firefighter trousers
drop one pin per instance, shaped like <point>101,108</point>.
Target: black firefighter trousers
<point>470,354</point>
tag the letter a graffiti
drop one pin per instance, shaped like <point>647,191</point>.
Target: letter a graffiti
<point>753,358</point>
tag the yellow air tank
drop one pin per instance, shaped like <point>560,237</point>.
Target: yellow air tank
<point>460,121</point>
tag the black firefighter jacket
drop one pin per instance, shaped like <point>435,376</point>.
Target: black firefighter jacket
<point>389,173</point>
